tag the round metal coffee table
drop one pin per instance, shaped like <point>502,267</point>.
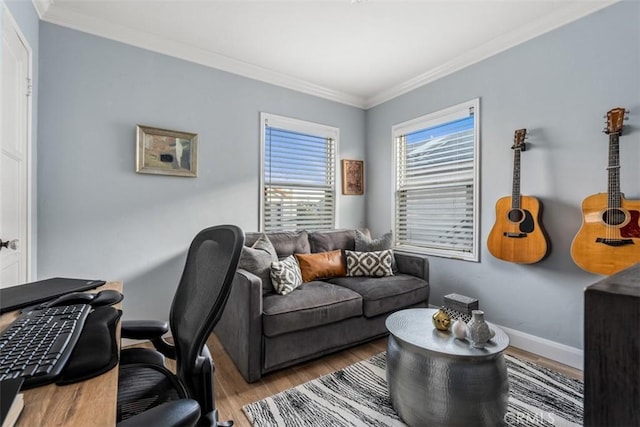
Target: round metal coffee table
<point>437,380</point>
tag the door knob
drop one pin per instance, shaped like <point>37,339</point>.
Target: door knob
<point>9,244</point>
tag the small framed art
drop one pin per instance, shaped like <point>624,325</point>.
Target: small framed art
<point>166,152</point>
<point>352,177</point>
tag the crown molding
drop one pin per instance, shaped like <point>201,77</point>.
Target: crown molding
<point>42,6</point>
<point>571,12</point>
<point>100,27</point>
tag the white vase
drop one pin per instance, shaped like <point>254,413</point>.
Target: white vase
<point>478,331</point>
<point>459,329</point>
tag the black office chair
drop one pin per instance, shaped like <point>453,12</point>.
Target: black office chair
<point>148,393</point>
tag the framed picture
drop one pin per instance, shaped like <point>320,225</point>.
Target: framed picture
<point>166,152</point>
<point>353,177</point>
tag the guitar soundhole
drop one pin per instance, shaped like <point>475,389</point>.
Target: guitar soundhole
<point>515,215</point>
<point>613,217</point>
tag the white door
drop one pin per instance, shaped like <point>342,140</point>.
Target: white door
<point>15,93</point>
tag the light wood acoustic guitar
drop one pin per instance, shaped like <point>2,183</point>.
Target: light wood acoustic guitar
<point>518,235</point>
<point>609,239</point>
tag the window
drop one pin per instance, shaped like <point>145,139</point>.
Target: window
<point>299,174</point>
<point>436,188</point>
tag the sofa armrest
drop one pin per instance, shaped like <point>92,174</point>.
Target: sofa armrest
<point>414,264</point>
<point>240,327</point>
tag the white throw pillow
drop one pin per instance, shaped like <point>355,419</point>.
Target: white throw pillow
<point>286,275</point>
<point>373,264</point>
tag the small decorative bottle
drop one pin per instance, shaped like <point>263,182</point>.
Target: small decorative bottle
<point>478,331</point>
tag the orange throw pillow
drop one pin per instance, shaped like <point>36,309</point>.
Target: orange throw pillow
<point>321,265</point>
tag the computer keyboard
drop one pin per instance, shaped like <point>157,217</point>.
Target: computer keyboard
<point>37,345</point>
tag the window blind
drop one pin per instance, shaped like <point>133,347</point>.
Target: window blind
<point>435,201</point>
<point>299,180</point>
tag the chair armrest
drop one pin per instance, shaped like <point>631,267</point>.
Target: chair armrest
<point>240,327</point>
<point>413,264</point>
<point>178,413</point>
<point>143,329</point>
<point>151,330</point>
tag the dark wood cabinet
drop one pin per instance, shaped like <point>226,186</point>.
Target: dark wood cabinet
<point>612,350</point>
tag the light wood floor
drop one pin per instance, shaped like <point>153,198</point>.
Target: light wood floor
<point>232,392</point>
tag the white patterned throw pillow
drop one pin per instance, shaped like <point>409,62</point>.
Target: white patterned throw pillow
<point>286,275</point>
<point>373,264</point>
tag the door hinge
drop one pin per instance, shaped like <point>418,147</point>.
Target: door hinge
<point>29,87</point>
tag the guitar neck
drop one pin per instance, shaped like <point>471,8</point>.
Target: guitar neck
<point>515,192</point>
<point>613,168</point>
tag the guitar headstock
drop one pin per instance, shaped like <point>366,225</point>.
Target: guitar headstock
<point>518,140</point>
<point>615,120</point>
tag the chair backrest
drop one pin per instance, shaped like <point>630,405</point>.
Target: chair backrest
<point>198,303</point>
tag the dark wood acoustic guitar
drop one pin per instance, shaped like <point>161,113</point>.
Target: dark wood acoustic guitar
<point>609,239</point>
<point>518,235</point>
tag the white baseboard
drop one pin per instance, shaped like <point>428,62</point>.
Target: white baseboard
<point>561,353</point>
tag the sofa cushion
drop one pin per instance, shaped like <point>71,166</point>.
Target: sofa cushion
<point>286,275</point>
<point>257,259</point>
<point>327,241</point>
<point>374,264</point>
<point>312,304</point>
<point>385,294</point>
<point>321,265</point>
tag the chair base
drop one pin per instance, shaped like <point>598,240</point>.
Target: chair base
<point>211,419</point>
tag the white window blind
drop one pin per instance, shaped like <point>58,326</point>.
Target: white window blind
<point>299,167</point>
<point>437,181</point>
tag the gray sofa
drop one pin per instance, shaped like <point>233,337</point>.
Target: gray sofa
<point>264,331</point>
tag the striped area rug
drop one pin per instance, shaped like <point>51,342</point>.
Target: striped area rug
<point>357,396</point>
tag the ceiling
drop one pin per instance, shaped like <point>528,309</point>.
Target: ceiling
<point>357,52</point>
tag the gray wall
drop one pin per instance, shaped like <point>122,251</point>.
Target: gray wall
<point>24,13</point>
<point>558,86</point>
<point>98,218</point>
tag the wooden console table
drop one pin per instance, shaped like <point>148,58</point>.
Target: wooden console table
<point>88,403</point>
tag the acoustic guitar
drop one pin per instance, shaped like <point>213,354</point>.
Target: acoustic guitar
<point>609,239</point>
<point>518,235</point>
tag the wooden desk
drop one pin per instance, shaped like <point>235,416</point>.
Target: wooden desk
<point>87,403</point>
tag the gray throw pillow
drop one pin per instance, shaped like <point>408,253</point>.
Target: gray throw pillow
<point>257,259</point>
<point>364,243</point>
<point>286,275</point>
<point>372,264</point>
